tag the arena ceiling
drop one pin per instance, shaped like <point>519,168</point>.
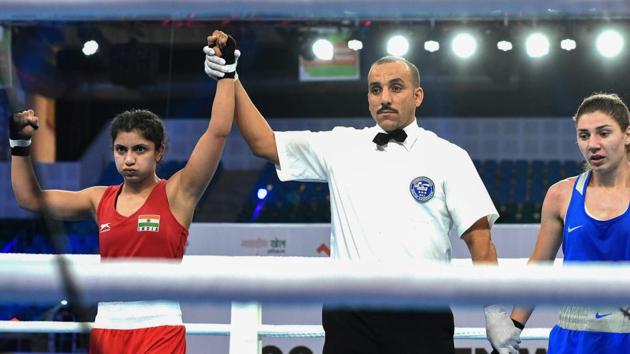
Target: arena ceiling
<point>306,9</point>
<point>151,55</point>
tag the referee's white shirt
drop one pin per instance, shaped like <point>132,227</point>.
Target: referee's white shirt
<point>374,214</point>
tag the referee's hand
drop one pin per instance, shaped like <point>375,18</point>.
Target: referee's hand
<point>501,330</point>
<point>221,56</point>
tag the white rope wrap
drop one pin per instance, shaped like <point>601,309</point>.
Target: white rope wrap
<point>291,280</point>
<point>213,329</point>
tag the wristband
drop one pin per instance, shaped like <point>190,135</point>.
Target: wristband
<point>20,147</point>
<point>517,324</point>
<point>19,142</point>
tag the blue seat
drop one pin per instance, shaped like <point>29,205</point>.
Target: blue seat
<point>168,168</point>
<point>489,175</point>
<point>573,168</point>
<point>110,176</point>
<point>521,172</point>
<point>505,181</point>
<point>554,172</point>
<point>537,181</point>
<point>478,165</point>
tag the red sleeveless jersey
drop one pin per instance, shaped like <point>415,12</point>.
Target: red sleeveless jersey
<point>151,232</point>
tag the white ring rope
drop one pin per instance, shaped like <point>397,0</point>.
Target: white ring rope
<point>291,9</point>
<point>293,280</point>
<point>28,278</point>
<point>214,329</point>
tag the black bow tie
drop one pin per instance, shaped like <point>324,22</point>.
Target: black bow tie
<point>383,138</point>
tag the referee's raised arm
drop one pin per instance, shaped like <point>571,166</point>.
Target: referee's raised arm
<point>252,125</point>
<point>254,128</point>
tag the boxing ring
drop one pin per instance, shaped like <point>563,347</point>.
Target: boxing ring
<point>248,281</point>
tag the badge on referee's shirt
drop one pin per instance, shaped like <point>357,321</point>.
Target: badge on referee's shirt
<point>149,223</point>
<point>422,189</point>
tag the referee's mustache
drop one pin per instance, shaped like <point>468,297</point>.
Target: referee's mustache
<point>386,108</point>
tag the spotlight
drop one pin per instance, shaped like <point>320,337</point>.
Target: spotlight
<point>609,43</point>
<point>568,44</point>
<point>323,49</point>
<point>355,44</point>
<point>90,48</point>
<point>92,39</point>
<point>504,46</point>
<point>431,46</point>
<point>262,193</point>
<point>397,45</point>
<point>537,45</point>
<point>464,45</point>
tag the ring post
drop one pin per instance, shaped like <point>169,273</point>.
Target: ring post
<point>246,319</point>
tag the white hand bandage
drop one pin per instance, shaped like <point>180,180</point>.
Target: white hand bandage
<point>504,336</point>
<point>215,66</point>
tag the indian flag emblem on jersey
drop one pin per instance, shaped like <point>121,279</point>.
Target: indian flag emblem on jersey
<point>149,223</point>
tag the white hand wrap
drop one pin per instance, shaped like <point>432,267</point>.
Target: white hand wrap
<point>504,336</point>
<point>215,66</point>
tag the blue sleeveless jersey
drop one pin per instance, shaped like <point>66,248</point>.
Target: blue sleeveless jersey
<point>589,239</point>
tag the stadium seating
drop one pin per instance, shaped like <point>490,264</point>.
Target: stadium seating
<point>516,187</point>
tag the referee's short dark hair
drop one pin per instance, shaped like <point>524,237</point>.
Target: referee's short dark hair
<point>415,73</point>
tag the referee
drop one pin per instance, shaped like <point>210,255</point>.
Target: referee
<point>396,190</point>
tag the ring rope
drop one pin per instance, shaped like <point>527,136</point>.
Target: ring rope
<point>215,329</point>
<point>306,280</point>
<point>298,280</point>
